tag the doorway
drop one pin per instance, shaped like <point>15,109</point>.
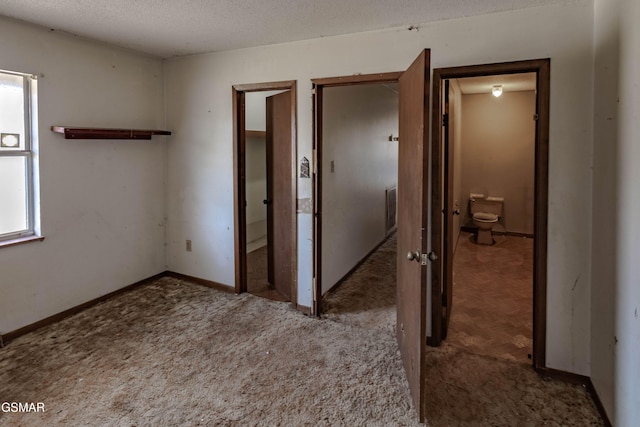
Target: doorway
<point>432,251</point>
<point>412,184</point>
<point>449,204</point>
<point>265,189</point>
<point>335,188</point>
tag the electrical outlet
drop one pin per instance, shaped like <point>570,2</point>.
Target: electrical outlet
<point>188,245</point>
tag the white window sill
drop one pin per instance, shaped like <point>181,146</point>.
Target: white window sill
<point>13,242</point>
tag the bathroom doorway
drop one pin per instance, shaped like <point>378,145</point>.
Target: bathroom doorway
<point>493,154</point>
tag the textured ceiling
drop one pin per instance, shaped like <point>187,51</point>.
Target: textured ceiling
<point>180,27</point>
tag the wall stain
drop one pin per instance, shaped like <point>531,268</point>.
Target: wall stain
<point>576,282</point>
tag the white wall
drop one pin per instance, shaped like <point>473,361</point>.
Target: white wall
<point>102,202</point>
<point>256,110</point>
<point>199,110</point>
<point>627,412</point>
<point>605,195</point>
<point>498,154</point>
<point>615,326</point>
<point>357,122</point>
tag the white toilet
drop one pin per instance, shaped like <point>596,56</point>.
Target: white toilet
<point>486,212</point>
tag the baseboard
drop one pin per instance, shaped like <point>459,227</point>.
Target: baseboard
<point>199,281</point>
<point>470,229</point>
<point>224,288</point>
<point>567,377</point>
<point>596,399</point>
<point>358,264</point>
<point>9,336</point>
<point>304,309</point>
<point>514,234</point>
<point>577,379</point>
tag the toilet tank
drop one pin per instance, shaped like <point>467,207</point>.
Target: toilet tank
<point>492,205</point>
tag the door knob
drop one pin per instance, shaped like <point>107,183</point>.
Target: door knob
<point>266,201</point>
<point>413,256</point>
<point>456,212</point>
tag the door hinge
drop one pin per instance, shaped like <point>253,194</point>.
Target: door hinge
<point>535,117</point>
<point>445,120</point>
<point>314,159</point>
<point>313,91</point>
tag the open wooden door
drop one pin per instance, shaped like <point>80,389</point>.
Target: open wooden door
<point>413,160</point>
<point>279,189</point>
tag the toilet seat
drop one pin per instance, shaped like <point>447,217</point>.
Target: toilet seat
<point>485,217</point>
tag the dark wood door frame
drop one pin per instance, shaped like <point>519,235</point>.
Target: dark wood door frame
<point>447,243</point>
<point>318,86</point>
<point>239,173</point>
<point>542,69</point>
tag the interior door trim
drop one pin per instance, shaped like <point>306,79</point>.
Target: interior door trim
<point>542,69</point>
<point>239,143</point>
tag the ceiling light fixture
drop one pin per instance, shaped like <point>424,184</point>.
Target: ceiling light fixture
<point>496,90</point>
<point>10,140</point>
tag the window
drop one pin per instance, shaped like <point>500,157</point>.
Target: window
<point>18,216</point>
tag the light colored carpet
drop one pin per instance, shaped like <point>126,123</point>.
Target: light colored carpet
<point>177,354</point>
<point>466,389</point>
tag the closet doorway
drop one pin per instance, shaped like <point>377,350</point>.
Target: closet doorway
<point>265,189</point>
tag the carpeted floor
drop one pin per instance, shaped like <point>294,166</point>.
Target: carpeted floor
<point>174,353</point>
<point>464,388</point>
<point>177,354</point>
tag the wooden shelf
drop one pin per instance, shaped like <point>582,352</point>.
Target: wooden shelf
<point>105,133</point>
<point>255,133</point>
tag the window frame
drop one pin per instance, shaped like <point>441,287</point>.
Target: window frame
<point>28,154</point>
